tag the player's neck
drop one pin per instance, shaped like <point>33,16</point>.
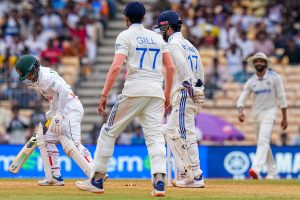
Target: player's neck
<point>261,74</point>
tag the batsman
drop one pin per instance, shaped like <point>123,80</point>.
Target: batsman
<point>65,112</point>
<point>187,97</point>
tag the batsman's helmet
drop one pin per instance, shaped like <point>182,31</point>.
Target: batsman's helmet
<point>135,10</point>
<point>27,65</point>
<point>169,18</point>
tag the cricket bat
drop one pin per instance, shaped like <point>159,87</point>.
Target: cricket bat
<point>25,152</point>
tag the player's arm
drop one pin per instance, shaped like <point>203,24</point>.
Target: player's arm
<point>242,101</point>
<point>53,108</point>
<point>180,63</point>
<point>113,73</point>
<point>282,101</point>
<point>168,63</point>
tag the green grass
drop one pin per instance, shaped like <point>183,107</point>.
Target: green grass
<point>20,189</point>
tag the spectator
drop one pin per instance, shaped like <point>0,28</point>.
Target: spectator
<point>36,117</point>
<point>51,55</point>
<point>234,59</point>
<point>34,44</point>
<point>211,86</point>
<point>138,136</point>
<point>217,72</point>
<point>51,21</point>
<point>16,129</point>
<point>245,45</point>
<point>263,44</point>
<point>24,98</point>
<point>292,51</point>
<point>242,76</point>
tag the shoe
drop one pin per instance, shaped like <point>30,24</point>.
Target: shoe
<point>190,183</point>
<point>158,189</point>
<point>55,181</point>
<point>179,177</point>
<point>91,185</point>
<point>254,174</point>
<point>272,176</point>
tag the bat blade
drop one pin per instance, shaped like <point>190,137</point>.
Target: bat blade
<point>22,156</point>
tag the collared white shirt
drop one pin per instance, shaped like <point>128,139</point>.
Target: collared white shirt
<point>266,92</point>
<point>187,61</point>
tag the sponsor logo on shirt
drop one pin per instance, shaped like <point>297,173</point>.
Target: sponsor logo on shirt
<point>263,91</point>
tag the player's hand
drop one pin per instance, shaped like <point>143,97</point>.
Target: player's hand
<point>284,124</point>
<point>56,124</point>
<point>102,105</point>
<point>241,117</point>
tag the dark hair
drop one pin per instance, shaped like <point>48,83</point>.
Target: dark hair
<point>176,27</point>
<point>134,20</point>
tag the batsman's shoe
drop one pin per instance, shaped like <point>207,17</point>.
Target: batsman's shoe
<point>158,189</point>
<point>272,176</point>
<point>91,185</point>
<point>179,177</point>
<point>190,183</point>
<point>55,181</point>
<point>254,174</point>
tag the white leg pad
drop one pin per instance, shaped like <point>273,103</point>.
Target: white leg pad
<point>72,151</point>
<point>43,151</point>
<point>179,151</point>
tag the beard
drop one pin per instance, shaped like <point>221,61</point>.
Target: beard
<point>165,37</point>
<point>260,68</point>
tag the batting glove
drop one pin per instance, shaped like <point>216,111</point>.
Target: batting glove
<point>56,124</point>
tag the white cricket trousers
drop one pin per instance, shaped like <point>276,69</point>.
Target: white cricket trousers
<point>182,121</point>
<point>150,112</point>
<point>72,130</point>
<point>264,154</point>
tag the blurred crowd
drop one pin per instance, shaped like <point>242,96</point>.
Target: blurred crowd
<point>235,30</point>
<point>49,30</point>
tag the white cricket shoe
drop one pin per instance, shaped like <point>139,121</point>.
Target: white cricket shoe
<point>254,174</point>
<point>179,177</point>
<point>272,176</point>
<point>91,186</point>
<point>190,183</point>
<point>55,181</point>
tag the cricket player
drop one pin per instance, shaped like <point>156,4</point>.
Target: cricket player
<point>268,90</point>
<point>144,52</point>
<point>187,99</point>
<point>65,112</point>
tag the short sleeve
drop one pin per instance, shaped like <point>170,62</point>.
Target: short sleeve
<point>122,45</point>
<point>165,47</point>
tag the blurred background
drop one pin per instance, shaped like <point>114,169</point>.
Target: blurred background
<point>76,38</point>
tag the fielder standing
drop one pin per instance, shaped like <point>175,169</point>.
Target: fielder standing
<point>268,90</point>
<point>187,99</point>
<point>145,52</point>
<point>65,112</point>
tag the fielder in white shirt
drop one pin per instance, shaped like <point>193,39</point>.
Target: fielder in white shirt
<point>65,112</point>
<point>187,99</point>
<point>268,91</point>
<point>144,52</point>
